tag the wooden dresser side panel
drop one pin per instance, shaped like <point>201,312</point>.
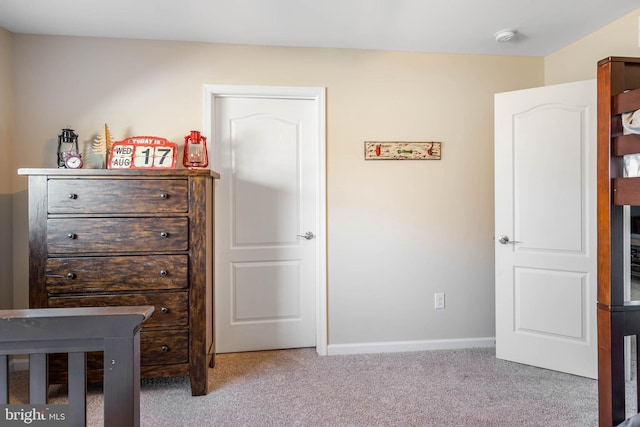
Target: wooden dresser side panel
<point>37,240</point>
<point>199,294</point>
<point>210,230</point>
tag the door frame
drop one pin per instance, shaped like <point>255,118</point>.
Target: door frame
<point>318,96</point>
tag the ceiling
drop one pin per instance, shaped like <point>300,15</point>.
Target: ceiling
<point>452,26</point>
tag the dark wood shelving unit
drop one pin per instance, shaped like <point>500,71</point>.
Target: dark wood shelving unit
<point>618,93</point>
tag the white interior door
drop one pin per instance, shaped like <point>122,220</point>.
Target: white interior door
<point>269,151</point>
<point>545,226</point>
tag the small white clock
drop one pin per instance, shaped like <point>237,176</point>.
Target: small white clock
<point>73,161</point>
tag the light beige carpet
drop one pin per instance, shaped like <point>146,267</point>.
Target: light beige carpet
<point>298,388</point>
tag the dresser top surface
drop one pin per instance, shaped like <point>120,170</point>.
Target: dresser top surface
<point>112,172</point>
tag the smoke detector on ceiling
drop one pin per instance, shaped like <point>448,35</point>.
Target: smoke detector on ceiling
<point>505,35</point>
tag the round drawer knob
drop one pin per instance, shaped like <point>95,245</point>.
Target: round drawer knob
<point>164,196</point>
<point>73,196</point>
<point>163,273</point>
<point>164,310</point>
<point>71,235</point>
<point>164,234</point>
<point>164,348</point>
<point>70,275</point>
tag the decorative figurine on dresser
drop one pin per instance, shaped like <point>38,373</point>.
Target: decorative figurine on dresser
<point>69,155</point>
<point>110,237</point>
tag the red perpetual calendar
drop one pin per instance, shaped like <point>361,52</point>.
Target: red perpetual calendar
<point>143,152</point>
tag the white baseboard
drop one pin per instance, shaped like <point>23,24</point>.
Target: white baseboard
<point>19,363</point>
<point>404,346</point>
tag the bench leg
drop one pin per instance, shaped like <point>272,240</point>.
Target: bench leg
<point>38,378</point>
<point>4,379</point>
<point>122,381</point>
<point>78,389</point>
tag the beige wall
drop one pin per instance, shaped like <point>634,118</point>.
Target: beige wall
<point>578,61</point>
<point>6,171</point>
<point>6,114</point>
<point>397,231</point>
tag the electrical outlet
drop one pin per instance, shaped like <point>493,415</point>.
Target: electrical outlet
<point>439,300</point>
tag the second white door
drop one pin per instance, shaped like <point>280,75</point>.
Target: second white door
<point>266,150</point>
<point>545,223</point>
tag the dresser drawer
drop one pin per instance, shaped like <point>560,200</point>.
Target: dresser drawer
<point>117,195</point>
<point>156,348</point>
<point>108,235</point>
<point>164,347</point>
<point>119,273</point>
<point>171,308</point>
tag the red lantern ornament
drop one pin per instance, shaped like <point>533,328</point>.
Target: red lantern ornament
<point>195,151</point>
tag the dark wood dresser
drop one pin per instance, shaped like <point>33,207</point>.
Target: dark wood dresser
<point>102,237</point>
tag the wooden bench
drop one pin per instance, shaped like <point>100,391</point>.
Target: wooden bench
<point>76,331</point>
